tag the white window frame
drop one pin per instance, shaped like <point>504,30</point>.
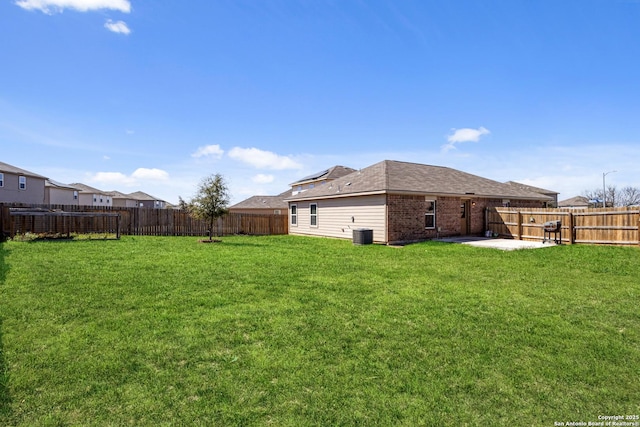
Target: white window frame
<point>313,217</point>
<point>22,182</point>
<point>75,195</point>
<point>1,179</point>
<point>293,216</point>
<point>430,213</point>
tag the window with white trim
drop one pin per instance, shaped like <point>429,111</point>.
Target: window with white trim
<point>313,214</point>
<point>1,180</point>
<point>75,195</point>
<point>22,182</point>
<point>430,215</point>
<point>294,214</point>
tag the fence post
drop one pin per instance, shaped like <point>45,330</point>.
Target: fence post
<point>572,231</point>
<point>519,224</point>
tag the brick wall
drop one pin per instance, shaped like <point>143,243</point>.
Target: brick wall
<point>406,222</point>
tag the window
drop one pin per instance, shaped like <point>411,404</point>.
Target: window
<point>294,215</point>
<point>75,195</point>
<point>22,182</point>
<point>1,180</point>
<point>430,214</point>
<point>311,186</point>
<point>313,215</point>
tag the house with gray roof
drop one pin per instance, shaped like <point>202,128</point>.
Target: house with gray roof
<point>270,205</point>
<point>404,202</point>
<point>57,193</point>
<point>578,202</point>
<point>277,205</point>
<point>90,196</point>
<point>21,186</point>
<point>147,201</point>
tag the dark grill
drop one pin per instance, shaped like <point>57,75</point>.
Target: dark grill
<point>554,227</point>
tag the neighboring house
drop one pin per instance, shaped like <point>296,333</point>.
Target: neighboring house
<point>272,205</point>
<point>404,202</point>
<point>122,200</point>
<point>578,202</point>
<point>277,205</point>
<point>320,178</point>
<point>89,196</point>
<point>147,201</point>
<point>21,186</point>
<point>56,193</point>
<point>550,193</point>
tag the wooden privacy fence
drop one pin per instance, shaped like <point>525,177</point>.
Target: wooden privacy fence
<point>56,219</point>
<point>609,226</point>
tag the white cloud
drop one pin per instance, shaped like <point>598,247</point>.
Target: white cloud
<point>119,27</point>
<point>150,174</point>
<point>52,6</point>
<point>209,150</point>
<point>263,159</point>
<point>139,176</point>
<point>263,179</point>
<point>464,135</point>
<point>112,178</point>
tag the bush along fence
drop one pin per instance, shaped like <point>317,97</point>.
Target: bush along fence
<point>608,226</point>
<point>66,220</point>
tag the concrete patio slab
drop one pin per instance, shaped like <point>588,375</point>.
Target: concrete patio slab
<point>502,244</point>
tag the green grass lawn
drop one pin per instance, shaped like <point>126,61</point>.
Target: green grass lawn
<point>301,331</point>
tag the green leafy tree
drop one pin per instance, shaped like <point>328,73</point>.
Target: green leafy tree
<point>210,201</point>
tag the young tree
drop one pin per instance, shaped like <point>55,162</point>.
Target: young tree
<point>210,201</point>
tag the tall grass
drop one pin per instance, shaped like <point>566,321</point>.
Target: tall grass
<point>304,331</point>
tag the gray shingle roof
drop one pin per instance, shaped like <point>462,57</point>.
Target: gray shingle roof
<point>140,195</point>
<point>532,188</point>
<point>264,202</point>
<point>52,183</point>
<point>391,176</point>
<point>84,188</point>
<point>575,201</point>
<point>7,168</point>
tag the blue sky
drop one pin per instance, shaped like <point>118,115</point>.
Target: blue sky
<point>154,95</point>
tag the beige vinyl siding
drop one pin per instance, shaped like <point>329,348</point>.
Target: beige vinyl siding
<point>339,217</point>
<point>59,196</point>
<point>10,192</point>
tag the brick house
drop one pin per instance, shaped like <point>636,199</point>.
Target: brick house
<point>404,202</point>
